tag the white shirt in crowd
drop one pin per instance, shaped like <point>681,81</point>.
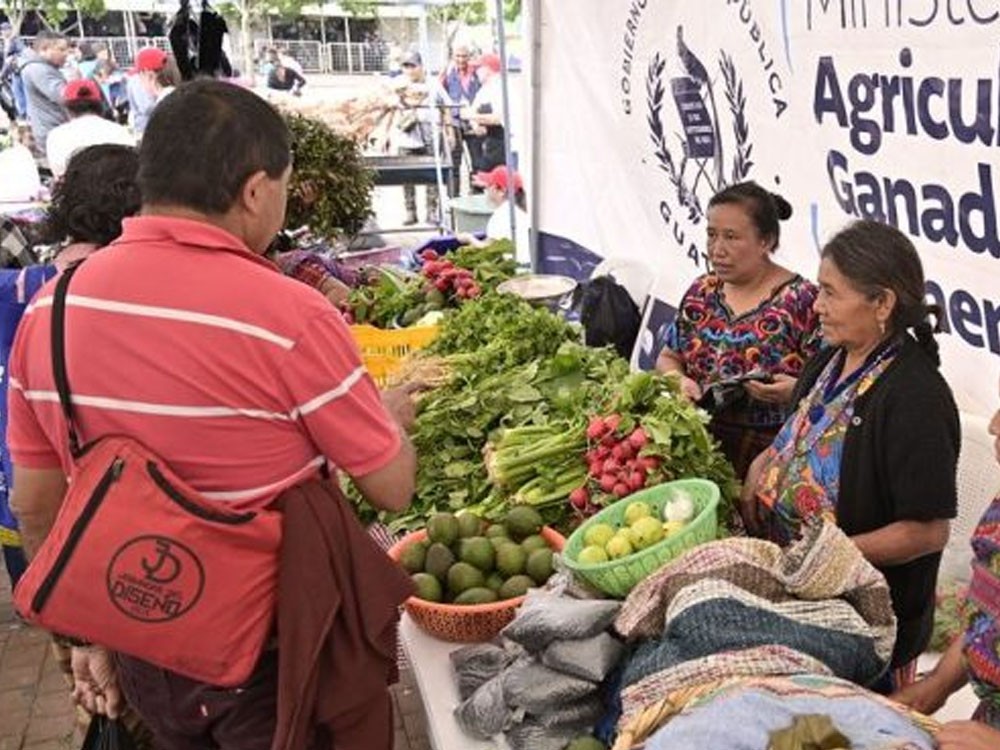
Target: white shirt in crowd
<point>81,132</point>
<point>498,228</point>
<point>489,99</point>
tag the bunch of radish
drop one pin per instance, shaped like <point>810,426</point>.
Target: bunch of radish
<point>616,467</point>
<point>448,278</point>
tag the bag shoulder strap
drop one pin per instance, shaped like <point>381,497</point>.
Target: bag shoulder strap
<point>59,355</point>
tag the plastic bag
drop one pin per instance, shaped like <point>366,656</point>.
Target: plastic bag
<point>532,736</point>
<point>608,314</point>
<point>476,665</point>
<point>545,617</point>
<point>538,689</point>
<point>107,734</point>
<point>589,658</point>
<point>579,715</point>
<point>485,713</point>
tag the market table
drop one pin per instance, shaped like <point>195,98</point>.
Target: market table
<point>429,659</point>
<point>408,170</point>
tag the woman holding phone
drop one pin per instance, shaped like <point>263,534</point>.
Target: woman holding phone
<point>744,330</point>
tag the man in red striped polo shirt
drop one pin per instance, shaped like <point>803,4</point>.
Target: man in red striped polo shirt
<point>181,336</point>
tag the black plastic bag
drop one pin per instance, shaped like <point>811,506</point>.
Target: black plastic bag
<point>107,734</point>
<point>608,314</point>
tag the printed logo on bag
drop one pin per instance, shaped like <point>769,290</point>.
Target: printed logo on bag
<point>693,94</point>
<point>154,579</point>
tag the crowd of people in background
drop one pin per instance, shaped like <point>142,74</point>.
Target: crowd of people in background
<point>78,91</point>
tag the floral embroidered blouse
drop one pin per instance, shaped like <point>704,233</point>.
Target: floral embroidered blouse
<point>776,337</point>
<point>982,635</point>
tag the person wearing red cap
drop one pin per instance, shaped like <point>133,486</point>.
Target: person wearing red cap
<point>154,76</point>
<point>495,183</point>
<point>486,112</point>
<point>85,104</point>
<point>158,71</point>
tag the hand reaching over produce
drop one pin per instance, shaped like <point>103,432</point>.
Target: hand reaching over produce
<point>399,403</point>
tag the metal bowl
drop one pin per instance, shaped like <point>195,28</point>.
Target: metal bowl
<point>544,290</point>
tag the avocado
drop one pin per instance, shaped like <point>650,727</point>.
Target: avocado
<point>476,595</point>
<point>522,521</point>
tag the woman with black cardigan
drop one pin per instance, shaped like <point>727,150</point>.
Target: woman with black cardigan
<point>873,444</point>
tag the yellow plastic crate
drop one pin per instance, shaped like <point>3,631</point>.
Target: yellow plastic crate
<point>383,350</point>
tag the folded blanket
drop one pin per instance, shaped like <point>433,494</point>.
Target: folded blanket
<point>747,607</point>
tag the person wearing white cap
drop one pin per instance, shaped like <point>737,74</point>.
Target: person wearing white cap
<point>421,98</point>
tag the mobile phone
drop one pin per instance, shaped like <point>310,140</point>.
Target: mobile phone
<point>754,377</point>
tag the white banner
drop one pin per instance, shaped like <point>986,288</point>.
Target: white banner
<point>884,109</point>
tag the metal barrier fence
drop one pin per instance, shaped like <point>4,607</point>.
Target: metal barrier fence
<point>310,55</point>
<point>123,49</point>
<point>314,57</point>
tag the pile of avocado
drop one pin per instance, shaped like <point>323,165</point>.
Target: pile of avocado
<point>464,560</point>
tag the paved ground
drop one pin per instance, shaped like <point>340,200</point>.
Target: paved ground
<point>36,713</point>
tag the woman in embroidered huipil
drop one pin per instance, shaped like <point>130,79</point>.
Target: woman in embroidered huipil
<point>748,315</point>
<point>873,443</point>
<point>975,656</point>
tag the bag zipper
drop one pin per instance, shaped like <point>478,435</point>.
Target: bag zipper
<point>208,514</point>
<point>111,475</point>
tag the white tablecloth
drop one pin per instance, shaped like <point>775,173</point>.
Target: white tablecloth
<point>438,691</point>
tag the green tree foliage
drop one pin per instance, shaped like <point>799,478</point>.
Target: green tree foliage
<point>52,11</point>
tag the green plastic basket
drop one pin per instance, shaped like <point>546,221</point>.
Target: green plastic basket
<point>617,577</point>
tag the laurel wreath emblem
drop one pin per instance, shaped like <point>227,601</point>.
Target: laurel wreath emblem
<point>742,162</point>
<point>654,101</point>
<point>741,128</point>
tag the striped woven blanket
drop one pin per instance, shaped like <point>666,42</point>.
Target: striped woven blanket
<point>746,607</point>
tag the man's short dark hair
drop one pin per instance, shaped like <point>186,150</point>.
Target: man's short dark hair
<point>204,141</point>
<point>46,38</point>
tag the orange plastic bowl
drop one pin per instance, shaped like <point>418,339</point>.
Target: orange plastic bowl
<point>464,623</point>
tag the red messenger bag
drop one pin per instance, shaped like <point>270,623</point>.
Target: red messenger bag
<point>137,561</point>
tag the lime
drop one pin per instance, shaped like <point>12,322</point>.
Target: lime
<point>619,547</point>
<point>646,532</point>
<point>598,534</point>
<point>637,510</point>
<point>592,555</point>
